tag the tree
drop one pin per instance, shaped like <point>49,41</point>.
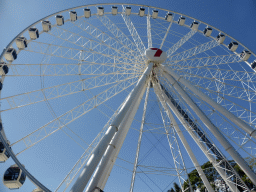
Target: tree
<point>176,187</point>
<point>212,175</point>
<point>195,179</point>
<point>171,190</point>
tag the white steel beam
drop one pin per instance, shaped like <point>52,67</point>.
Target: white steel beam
<point>70,116</point>
<point>94,50</point>
<point>103,144</point>
<point>82,68</point>
<point>206,61</point>
<point>174,145</point>
<point>212,158</point>
<point>33,97</point>
<point>120,36</point>
<point>177,45</point>
<point>240,123</point>
<point>149,30</point>
<point>106,39</point>
<point>167,31</point>
<point>102,173</point>
<point>193,51</point>
<point>133,32</point>
<point>183,140</point>
<point>215,131</point>
<point>84,42</point>
<point>85,156</point>
<point>139,141</point>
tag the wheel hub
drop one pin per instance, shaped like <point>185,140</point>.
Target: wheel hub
<point>155,55</point>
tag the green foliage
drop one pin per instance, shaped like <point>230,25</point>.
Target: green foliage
<point>212,175</point>
<point>171,190</point>
<point>176,187</point>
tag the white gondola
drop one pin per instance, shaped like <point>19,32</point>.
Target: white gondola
<point>100,11</point>
<point>233,46</point>
<point>207,31</point>
<point>21,42</point>
<point>181,20</point>
<point>33,33</point>
<point>114,10</point>
<point>220,38</point>
<point>128,10</point>
<point>194,25</point>
<point>14,178</point>
<point>253,64</point>
<point>37,190</point>
<point>10,54</point>
<point>154,14</point>
<point>73,16</point>
<point>87,13</point>
<point>59,20</point>
<point>141,11</point>
<point>4,156</point>
<point>245,55</point>
<point>168,17</point>
<point>4,69</point>
<point>46,26</point>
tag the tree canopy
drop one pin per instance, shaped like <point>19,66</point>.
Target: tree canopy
<point>212,175</point>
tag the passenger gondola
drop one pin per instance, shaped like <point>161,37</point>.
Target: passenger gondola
<point>4,156</point>
<point>233,46</point>
<point>33,33</point>
<point>87,13</point>
<point>100,11</point>
<point>14,178</point>
<point>168,17</point>
<point>194,25</point>
<point>253,64</point>
<point>128,10</point>
<point>220,38</point>
<point>73,16</point>
<point>10,54</point>
<point>141,12</point>
<point>154,14</point>
<point>4,69</point>
<point>181,20</point>
<point>207,31</point>
<point>59,20</point>
<point>245,55</point>
<point>114,10</point>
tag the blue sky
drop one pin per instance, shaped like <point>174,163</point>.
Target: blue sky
<point>234,17</point>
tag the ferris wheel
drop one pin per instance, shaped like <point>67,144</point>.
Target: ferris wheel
<point>125,97</point>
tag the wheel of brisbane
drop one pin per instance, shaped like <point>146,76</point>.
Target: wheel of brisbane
<point>125,97</point>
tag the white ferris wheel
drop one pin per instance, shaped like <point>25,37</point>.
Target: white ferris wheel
<point>125,97</point>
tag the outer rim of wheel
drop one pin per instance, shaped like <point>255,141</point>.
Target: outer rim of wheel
<point>90,5</point>
<point>102,4</point>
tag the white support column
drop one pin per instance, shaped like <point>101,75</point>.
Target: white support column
<point>219,136</point>
<point>135,35</point>
<point>103,144</point>
<point>200,144</point>
<point>177,45</point>
<point>108,160</point>
<point>173,144</point>
<point>184,141</point>
<point>240,123</point>
<point>149,30</point>
<point>167,31</point>
<point>139,141</point>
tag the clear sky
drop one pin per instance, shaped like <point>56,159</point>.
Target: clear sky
<point>235,17</point>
